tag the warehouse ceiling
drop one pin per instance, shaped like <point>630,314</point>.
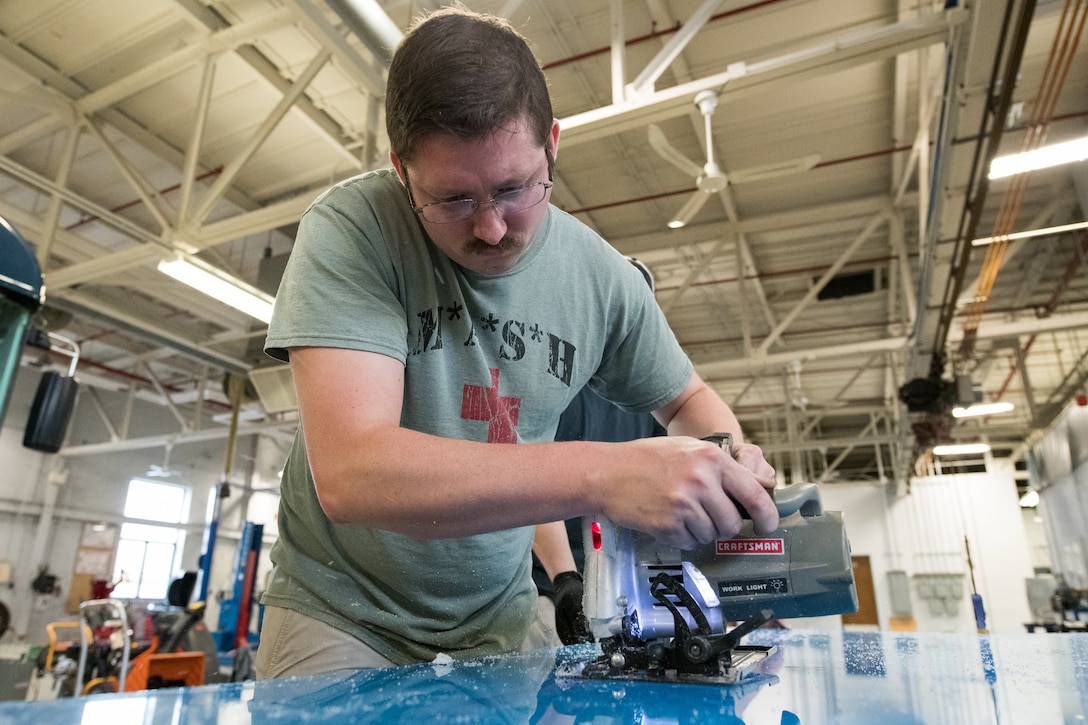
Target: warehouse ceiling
<point>830,280</point>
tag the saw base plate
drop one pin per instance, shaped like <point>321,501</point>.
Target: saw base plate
<point>740,662</point>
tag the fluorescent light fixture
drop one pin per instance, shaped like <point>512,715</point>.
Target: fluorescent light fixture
<point>219,285</point>
<point>1041,158</point>
<point>961,449</point>
<point>982,409</point>
<point>1030,499</point>
<point>982,241</point>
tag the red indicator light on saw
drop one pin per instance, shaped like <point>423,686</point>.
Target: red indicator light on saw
<point>595,529</point>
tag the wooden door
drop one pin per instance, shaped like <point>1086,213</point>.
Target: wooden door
<point>863,580</point>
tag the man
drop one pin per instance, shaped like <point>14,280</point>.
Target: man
<point>433,311</point>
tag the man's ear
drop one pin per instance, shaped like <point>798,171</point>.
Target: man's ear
<point>553,138</point>
<point>397,165</point>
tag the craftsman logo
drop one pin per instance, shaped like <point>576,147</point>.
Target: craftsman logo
<point>752,587</point>
<point>773,547</point>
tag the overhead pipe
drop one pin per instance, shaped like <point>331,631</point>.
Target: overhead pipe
<point>1064,48</point>
<point>996,111</point>
<point>370,23</point>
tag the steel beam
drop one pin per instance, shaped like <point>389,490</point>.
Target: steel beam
<point>842,52</point>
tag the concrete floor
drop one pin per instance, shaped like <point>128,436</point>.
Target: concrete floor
<point>15,670</point>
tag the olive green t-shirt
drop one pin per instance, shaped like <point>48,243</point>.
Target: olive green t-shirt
<point>487,358</point>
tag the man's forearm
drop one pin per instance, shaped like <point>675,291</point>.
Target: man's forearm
<point>675,488</point>
<point>431,487</point>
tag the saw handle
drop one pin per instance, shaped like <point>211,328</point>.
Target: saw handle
<point>803,497</point>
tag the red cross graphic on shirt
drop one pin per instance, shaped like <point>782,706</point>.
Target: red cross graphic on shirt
<point>501,413</point>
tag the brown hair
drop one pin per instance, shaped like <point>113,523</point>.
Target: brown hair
<point>466,74</point>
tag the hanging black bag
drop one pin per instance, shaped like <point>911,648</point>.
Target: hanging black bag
<point>50,412</point>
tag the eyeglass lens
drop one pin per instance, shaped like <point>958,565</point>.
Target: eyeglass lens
<point>507,202</point>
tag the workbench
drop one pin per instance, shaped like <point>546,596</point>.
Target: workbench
<point>815,678</point>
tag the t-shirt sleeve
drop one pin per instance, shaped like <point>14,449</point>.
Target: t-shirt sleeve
<point>340,286</point>
<point>645,367</point>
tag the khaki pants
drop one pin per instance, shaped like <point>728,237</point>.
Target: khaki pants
<point>293,644</point>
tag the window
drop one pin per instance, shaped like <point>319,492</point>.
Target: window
<point>148,554</point>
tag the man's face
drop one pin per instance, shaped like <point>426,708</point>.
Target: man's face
<point>445,168</point>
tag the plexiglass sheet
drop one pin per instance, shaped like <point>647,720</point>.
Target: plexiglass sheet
<point>812,678</point>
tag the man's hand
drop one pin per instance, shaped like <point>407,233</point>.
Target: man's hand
<point>685,491</point>
<point>751,457</point>
<point>570,618</point>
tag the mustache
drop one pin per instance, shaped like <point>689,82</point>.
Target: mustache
<point>507,243</point>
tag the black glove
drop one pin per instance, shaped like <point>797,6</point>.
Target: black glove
<point>570,618</point>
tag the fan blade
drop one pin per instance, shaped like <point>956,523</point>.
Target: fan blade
<point>689,210</point>
<point>665,150</point>
<point>774,170</point>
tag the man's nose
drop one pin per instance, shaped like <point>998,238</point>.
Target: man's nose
<point>488,223</point>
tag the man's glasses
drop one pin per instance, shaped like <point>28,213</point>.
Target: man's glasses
<point>458,210</point>
<point>510,201</point>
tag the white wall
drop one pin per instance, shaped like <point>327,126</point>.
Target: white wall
<point>1037,546</point>
<point>923,533</point>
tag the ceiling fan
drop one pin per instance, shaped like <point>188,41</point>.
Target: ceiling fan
<point>163,471</point>
<point>709,178</point>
